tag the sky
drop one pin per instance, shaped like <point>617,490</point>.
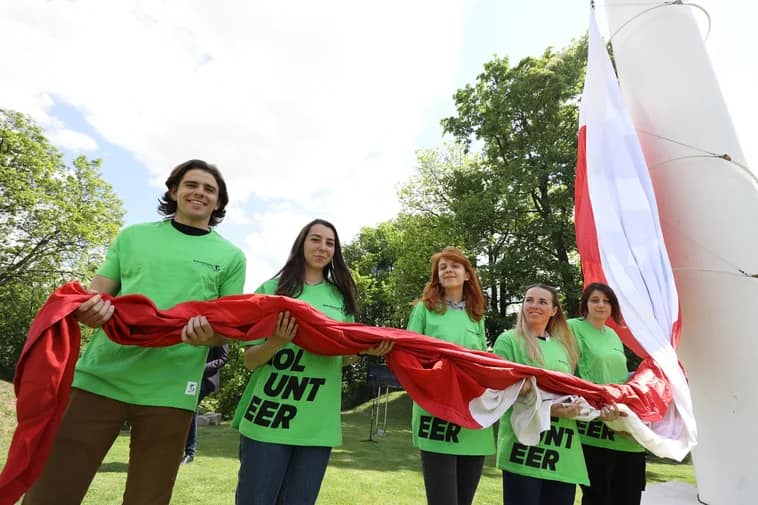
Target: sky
<point>310,109</point>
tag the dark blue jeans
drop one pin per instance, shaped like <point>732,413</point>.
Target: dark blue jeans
<point>278,474</point>
<point>523,490</point>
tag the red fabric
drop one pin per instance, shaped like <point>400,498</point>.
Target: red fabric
<point>592,268</point>
<point>441,377</point>
<point>42,384</point>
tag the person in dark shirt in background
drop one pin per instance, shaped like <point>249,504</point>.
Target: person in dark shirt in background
<point>217,358</point>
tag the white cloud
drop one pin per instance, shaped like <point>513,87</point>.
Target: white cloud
<point>268,247</point>
<point>70,139</point>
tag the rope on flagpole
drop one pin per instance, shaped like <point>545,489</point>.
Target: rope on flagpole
<point>658,6</point>
<point>728,263</point>
<point>738,273</point>
<point>705,154</point>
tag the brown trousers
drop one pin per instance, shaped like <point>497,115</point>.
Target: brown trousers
<point>89,427</point>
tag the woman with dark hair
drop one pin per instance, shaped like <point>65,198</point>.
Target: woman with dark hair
<point>547,473</point>
<point>451,309</point>
<point>615,462</point>
<point>289,415</point>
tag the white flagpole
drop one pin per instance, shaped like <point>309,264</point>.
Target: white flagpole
<point>708,203</point>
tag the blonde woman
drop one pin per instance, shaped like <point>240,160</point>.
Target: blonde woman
<point>547,473</point>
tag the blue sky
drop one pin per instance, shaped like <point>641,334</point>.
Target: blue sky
<point>310,109</point>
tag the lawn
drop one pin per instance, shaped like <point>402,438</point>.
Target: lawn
<point>361,472</point>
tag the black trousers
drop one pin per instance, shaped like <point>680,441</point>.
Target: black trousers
<point>450,479</point>
<point>616,477</point>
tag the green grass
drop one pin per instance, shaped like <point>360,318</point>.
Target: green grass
<point>360,472</point>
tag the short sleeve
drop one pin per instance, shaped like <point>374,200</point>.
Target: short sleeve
<point>111,267</point>
<point>234,282</point>
<point>417,319</point>
<point>504,346</point>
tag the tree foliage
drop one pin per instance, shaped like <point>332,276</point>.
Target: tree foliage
<point>525,119</point>
<point>56,220</point>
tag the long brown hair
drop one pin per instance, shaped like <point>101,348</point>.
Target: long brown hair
<point>434,293</point>
<point>336,272</point>
<point>608,292</point>
<point>557,327</point>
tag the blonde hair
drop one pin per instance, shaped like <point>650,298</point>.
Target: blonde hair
<point>557,327</point>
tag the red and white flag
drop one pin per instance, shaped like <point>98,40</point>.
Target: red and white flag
<point>619,236</point>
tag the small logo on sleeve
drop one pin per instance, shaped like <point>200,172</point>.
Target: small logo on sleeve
<point>215,268</point>
<point>191,388</point>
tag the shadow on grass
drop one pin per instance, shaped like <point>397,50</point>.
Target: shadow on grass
<point>650,458</point>
<point>114,467</point>
<point>391,451</point>
<point>653,476</point>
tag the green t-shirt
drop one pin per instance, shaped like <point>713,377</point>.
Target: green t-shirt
<point>602,361</point>
<point>295,397</point>
<point>431,433</point>
<point>169,267</point>
<point>559,455</point>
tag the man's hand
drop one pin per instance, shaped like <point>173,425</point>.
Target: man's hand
<point>198,331</point>
<point>95,312</point>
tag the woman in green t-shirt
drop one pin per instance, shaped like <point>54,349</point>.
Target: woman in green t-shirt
<point>289,414</point>
<point>547,473</point>
<point>451,308</point>
<point>615,462</point>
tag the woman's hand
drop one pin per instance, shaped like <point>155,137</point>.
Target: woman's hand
<point>285,329</point>
<point>566,410</point>
<point>379,349</point>
<point>611,412</point>
<point>284,332</point>
<point>95,312</point>
<point>526,387</point>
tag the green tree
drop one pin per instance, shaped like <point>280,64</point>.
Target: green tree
<point>371,256</point>
<point>56,221</point>
<point>524,119</point>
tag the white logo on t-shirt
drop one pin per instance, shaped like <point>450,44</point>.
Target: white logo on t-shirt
<point>191,388</point>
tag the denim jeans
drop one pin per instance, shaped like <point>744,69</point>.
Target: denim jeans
<point>278,474</point>
<point>523,490</point>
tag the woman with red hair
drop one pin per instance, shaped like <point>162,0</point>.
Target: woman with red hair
<point>451,309</point>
